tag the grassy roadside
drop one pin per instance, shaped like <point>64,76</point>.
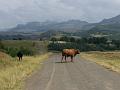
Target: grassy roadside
<point>13,73</point>
<point>110,60</point>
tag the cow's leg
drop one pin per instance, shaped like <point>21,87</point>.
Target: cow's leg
<point>71,58</point>
<point>62,59</point>
<point>65,59</point>
<point>19,58</point>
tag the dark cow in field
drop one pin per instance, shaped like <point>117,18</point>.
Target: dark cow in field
<point>69,53</point>
<point>20,55</point>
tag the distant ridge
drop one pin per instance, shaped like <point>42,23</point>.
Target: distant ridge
<point>68,26</point>
<point>112,20</point>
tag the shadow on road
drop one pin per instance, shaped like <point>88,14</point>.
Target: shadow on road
<point>63,62</point>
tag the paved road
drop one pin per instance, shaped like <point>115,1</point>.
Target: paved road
<point>80,75</point>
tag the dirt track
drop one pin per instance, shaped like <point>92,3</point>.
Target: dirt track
<point>80,75</point>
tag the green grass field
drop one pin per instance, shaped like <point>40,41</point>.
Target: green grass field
<point>110,60</point>
<point>13,72</point>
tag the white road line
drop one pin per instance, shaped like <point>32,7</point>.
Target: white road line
<point>51,78</point>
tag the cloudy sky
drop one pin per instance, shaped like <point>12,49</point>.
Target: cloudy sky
<point>13,12</point>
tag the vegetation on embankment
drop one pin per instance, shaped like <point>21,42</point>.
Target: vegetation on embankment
<point>13,72</point>
<point>28,47</point>
<point>110,60</point>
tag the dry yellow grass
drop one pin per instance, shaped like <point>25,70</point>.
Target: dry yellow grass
<point>3,55</point>
<point>14,72</point>
<point>110,60</point>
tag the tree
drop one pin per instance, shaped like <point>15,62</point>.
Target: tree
<point>72,39</point>
<point>116,43</point>
<point>64,38</point>
<point>53,39</point>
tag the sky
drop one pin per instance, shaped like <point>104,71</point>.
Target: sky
<point>13,12</point>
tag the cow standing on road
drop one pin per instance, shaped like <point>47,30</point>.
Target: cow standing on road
<point>20,55</point>
<point>69,53</point>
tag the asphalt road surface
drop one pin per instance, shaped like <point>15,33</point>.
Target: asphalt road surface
<point>79,75</point>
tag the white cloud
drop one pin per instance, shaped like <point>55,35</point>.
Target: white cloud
<point>39,10</point>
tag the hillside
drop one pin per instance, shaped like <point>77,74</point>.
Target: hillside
<point>67,26</point>
<point>113,20</point>
<point>32,27</point>
<point>44,30</point>
<point>109,28</point>
<point>110,31</point>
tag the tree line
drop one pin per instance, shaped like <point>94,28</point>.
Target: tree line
<point>84,44</point>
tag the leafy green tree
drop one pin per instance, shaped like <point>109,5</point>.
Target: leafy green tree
<point>72,39</point>
<point>64,38</point>
<point>116,43</point>
<point>53,39</point>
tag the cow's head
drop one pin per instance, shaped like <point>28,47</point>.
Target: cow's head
<point>77,51</point>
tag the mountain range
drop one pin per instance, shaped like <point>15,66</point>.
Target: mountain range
<point>107,27</point>
<point>67,26</point>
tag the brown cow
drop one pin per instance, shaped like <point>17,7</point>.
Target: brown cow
<point>69,53</point>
